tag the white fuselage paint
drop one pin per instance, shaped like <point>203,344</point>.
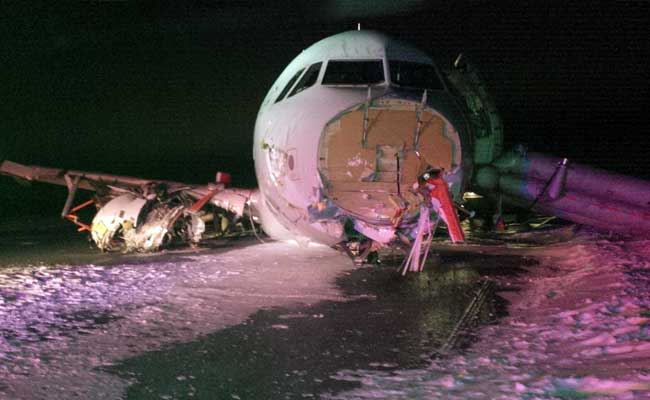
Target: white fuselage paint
<point>287,132</point>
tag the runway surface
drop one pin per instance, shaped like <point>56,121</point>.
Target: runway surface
<point>569,316</point>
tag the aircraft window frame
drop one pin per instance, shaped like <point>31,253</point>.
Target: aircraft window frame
<point>308,79</point>
<point>380,68</point>
<point>289,85</point>
<point>394,81</point>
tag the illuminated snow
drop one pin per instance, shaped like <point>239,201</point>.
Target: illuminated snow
<point>60,325</point>
<point>579,326</point>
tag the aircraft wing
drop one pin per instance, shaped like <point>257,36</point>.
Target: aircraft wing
<point>87,180</point>
<point>136,214</point>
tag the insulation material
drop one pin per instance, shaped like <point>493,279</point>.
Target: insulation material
<point>342,155</point>
<point>360,170</point>
<point>436,144</point>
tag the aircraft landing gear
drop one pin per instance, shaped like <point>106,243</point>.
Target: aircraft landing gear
<point>361,252</point>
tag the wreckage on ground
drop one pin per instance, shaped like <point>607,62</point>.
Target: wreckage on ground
<point>136,214</point>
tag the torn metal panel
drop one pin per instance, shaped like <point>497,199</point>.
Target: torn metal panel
<point>156,230</point>
<point>231,199</point>
<point>377,233</point>
<point>121,213</point>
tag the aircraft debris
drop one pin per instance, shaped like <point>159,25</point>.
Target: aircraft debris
<point>139,215</point>
<point>437,203</point>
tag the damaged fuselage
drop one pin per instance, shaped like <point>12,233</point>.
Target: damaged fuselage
<point>361,141</point>
<point>346,131</point>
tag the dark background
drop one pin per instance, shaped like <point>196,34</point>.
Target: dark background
<point>172,91</point>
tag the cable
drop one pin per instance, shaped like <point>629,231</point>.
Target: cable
<point>250,218</point>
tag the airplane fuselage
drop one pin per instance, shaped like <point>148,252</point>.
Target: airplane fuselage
<point>354,144</point>
<point>343,131</point>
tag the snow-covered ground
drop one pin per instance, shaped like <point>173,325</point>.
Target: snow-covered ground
<point>579,327</point>
<point>578,323</point>
<point>59,325</point>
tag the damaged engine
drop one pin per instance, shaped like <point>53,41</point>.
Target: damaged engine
<point>136,224</point>
<point>133,223</point>
<point>144,215</point>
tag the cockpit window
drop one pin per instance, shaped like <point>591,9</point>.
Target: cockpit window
<point>367,72</point>
<point>289,85</point>
<point>414,75</point>
<point>308,79</point>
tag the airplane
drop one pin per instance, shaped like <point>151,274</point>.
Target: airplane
<point>362,142</point>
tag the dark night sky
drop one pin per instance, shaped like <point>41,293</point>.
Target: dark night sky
<point>172,91</point>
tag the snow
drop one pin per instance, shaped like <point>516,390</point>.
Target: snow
<point>578,323</point>
<point>579,327</point>
<point>60,325</point>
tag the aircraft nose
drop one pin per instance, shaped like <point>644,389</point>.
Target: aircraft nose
<point>372,154</point>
